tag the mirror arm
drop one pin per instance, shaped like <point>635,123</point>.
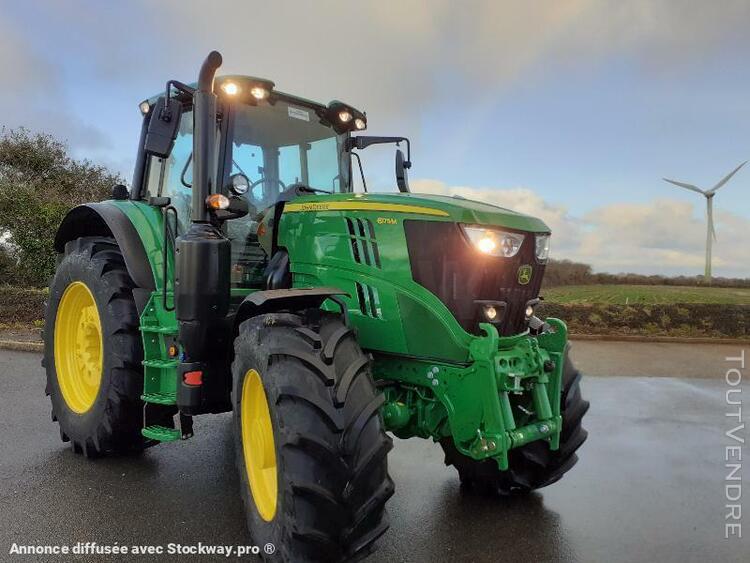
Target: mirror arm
<point>166,115</point>
<point>407,164</point>
<point>182,87</point>
<point>361,171</point>
<point>363,141</point>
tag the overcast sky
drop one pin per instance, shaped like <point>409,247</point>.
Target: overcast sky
<point>570,110</point>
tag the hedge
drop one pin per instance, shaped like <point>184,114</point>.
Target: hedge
<point>21,306</point>
<point>681,319</point>
<point>26,306</point>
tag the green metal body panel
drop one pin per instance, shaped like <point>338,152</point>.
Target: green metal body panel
<point>488,393</point>
<point>406,318</point>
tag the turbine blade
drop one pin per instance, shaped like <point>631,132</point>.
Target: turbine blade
<point>690,187</point>
<point>726,178</point>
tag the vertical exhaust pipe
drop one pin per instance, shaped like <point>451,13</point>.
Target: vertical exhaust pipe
<point>204,136</point>
<point>202,258</point>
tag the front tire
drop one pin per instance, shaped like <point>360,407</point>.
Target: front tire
<point>534,465</point>
<point>93,351</point>
<point>310,445</point>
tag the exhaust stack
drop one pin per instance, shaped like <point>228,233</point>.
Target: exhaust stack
<point>204,136</point>
<point>202,257</point>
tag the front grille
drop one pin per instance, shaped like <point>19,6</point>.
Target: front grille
<point>444,262</point>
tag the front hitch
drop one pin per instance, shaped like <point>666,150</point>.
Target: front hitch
<point>506,397</point>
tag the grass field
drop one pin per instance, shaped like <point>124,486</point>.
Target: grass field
<point>651,294</point>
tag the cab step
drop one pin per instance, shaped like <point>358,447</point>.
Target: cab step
<point>163,364</point>
<point>161,433</point>
<point>159,329</point>
<point>160,398</point>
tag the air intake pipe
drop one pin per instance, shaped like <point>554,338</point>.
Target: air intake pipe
<point>202,256</point>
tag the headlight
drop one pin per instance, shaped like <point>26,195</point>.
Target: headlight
<point>542,247</point>
<point>493,242</point>
<point>259,92</point>
<point>230,88</point>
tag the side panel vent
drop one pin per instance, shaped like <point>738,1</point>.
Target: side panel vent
<point>363,241</point>
<point>369,301</point>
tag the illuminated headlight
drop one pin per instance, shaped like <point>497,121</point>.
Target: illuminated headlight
<point>529,311</point>
<point>359,123</point>
<point>259,93</point>
<point>493,242</point>
<point>230,88</point>
<point>542,247</point>
<point>345,116</point>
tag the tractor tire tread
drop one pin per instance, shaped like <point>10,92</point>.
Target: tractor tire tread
<point>329,439</point>
<point>117,428</point>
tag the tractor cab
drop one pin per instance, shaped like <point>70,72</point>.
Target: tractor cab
<point>270,146</point>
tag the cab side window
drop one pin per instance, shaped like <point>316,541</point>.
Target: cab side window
<point>177,174</point>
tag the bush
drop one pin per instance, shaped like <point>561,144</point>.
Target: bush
<point>8,266</point>
<point>39,184</point>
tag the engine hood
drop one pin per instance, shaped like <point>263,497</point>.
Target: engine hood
<point>434,207</point>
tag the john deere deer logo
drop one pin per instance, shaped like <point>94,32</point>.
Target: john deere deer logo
<point>524,274</point>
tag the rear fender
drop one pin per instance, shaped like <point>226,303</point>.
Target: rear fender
<point>106,219</point>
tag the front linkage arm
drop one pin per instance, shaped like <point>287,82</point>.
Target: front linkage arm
<point>473,403</point>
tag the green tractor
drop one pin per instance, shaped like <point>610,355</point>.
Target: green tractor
<point>242,273</point>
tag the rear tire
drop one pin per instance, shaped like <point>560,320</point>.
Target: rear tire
<point>105,414</point>
<point>330,462</point>
<point>534,465</point>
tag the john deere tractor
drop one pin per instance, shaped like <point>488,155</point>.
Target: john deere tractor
<point>242,272</point>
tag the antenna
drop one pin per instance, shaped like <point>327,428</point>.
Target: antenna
<point>709,195</point>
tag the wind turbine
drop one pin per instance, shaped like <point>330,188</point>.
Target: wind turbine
<point>709,195</point>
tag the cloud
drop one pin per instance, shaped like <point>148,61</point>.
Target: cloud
<point>395,59</point>
<point>34,96</point>
<point>663,236</point>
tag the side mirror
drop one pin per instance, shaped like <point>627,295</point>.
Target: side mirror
<point>162,127</point>
<point>402,178</point>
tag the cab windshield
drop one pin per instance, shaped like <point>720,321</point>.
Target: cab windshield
<point>276,146</point>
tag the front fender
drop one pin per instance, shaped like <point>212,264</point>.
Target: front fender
<point>274,300</point>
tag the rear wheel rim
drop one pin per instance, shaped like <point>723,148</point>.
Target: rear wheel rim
<point>78,347</point>
<point>258,445</point>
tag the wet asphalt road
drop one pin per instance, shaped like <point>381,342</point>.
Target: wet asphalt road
<point>649,486</point>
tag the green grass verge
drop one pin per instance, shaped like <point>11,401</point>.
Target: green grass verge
<point>646,294</point>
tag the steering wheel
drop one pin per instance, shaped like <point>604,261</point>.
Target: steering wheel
<point>258,182</point>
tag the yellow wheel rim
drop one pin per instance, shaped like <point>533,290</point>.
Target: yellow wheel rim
<point>78,347</point>
<point>258,446</point>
